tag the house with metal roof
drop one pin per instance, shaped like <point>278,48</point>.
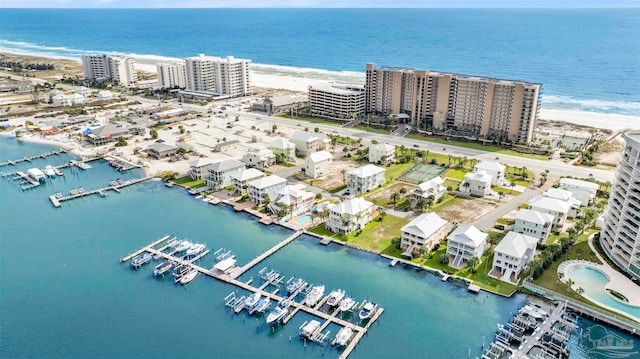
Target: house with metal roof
<point>422,233</point>
<point>465,242</point>
<point>220,173</point>
<point>349,215</point>
<point>533,223</point>
<point>512,255</point>
<point>318,164</point>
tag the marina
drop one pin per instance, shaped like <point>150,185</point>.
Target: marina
<point>56,200</point>
<point>187,270</point>
<point>31,158</point>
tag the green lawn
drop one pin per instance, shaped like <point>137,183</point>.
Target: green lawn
<point>321,231</point>
<point>448,200</point>
<point>188,182</point>
<point>371,129</point>
<point>377,235</point>
<point>396,169</point>
<point>519,182</point>
<point>309,119</point>
<point>451,183</point>
<point>457,173</point>
<point>506,190</point>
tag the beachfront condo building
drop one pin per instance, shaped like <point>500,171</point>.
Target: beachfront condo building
<point>119,69</point>
<point>620,236</point>
<point>337,101</point>
<point>172,74</point>
<point>222,76</point>
<point>474,106</point>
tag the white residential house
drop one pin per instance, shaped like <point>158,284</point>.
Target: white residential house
<point>465,242</point>
<point>283,147</point>
<point>555,207</point>
<point>199,169</point>
<point>82,90</point>
<point>566,196</point>
<point>533,223</point>
<point>60,100</point>
<point>240,180</point>
<point>423,232</point>
<point>583,191</point>
<point>382,153</point>
<point>318,164</point>
<point>493,169</point>
<point>365,178</point>
<point>220,173</point>
<point>433,187</point>
<point>268,186</point>
<point>295,198</point>
<point>349,215</point>
<point>105,95</point>
<point>260,158</point>
<point>76,99</point>
<point>512,255</point>
<point>307,142</point>
<point>476,184</point>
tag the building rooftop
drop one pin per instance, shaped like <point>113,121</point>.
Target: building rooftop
<point>352,206</point>
<point>291,193</point>
<point>281,143</point>
<point>489,166</point>
<point>268,181</point>
<point>480,176</point>
<point>248,174</point>
<point>228,143</point>
<point>366,171</point>
<point>383,146</point>
<point>224,165</point>
<point>308,136</point>
<point>108,130</point>
<point>434,183</point>
<point>161,147</point>
<point>550,204</point>
<point>579,183</point>
<point>533,216</point>
<point>200,162</point>
<point>424,225</point>
<point>320,156</point>
<point>558,193</point>
<point>516,244</point>
<point>469,235</point>
<point>284,100</point>
<point>338,89</point>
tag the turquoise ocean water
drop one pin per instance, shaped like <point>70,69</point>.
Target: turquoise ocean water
<point>64,293</point>
<point>587,59</point>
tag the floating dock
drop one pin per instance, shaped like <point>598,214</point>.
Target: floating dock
<point>329,318</point>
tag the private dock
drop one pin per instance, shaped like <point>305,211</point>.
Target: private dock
<point>329,318</point>
<point>30,158</point>
<point>116,188</point>
<point>241,270</point>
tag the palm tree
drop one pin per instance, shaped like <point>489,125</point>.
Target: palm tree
<point>421,204</point>
<point>512,184</point>
<point>569,283</point>
<point>344,176</point>
<point>473,262</point>
<point>394,198</point>
<point>265,199</point>
<point>580,291</point>
<point>403,191</point>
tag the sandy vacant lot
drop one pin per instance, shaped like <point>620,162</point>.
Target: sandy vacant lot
<point>335,179</point>
<point>466,210</point>
<point>609,154</point>
<point>383,196</point>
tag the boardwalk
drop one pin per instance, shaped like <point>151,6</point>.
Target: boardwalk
<point>57,201</point>
<point>239,271</point>
<point>30,158</point>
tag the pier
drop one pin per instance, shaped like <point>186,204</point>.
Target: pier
<point>239,271</point>
<point>30,158</point>
<point>295,306</point>
<point>116,188</point>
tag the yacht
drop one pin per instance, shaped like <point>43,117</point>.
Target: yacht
<point>48,170</point>
<point>335,297</point>
<point>162,268</point>
<point>263,305</point>
<point>251,302</point>
<point>279,312</point>
<point>190,276</point>
<point>343,336</point>
<point>346,304</point>
<point>314,295</point>
<point>181,270</point>
<point>294,284</point>
<point>183,246</point>
<point>140,260</point>
<point>309,328</point>
<point>367,310</point>
<point>195,249</point>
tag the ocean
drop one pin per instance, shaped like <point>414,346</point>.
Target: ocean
<point>587,59</point>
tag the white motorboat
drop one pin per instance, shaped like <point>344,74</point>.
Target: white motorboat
<point>139,260</point>
<point>195,249</point>
<point>183,246</point>
<point>343,336</point>
<point>48,170</point>
<point>262,305</point>
<point>162,268</point>
<point>278,312</point>
<point>251,302</point>
<point>294,284</point>
<point>346,304</point>
<point>367,310</point>
<point>335,297</point>
<point>187,278</point>
<point>314,295</point>
<point>309,328</point>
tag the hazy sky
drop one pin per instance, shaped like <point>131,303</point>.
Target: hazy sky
<point>314,3</point>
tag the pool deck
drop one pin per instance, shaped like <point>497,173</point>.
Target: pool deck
<point>618,282</point>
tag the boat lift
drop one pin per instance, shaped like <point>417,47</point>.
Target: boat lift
<point>222,254</point>
<point>236,303</point>
<point>317,336</point>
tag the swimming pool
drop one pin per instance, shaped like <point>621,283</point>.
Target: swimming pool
<point>304,219</point>
<point>593,281</point>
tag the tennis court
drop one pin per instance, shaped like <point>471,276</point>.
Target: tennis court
<point>422,172</point>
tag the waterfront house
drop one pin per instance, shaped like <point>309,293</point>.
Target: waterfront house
<point>220,173</point>
<point>199,169</point>
<point>283,148</point>
<point>307,142</point>
<point>240,180</point>
<point>76,99</point>
<point>465,242</point>
<point>422,233</point>
<point>318,164</point>
<point>382,153</point>
<point>583,191</point>
<point>161,150</point>
<point>493,169</point>
<point>512,255</point>
<point>260,158</point>
<point>476,184</point>
<point>268,186</point>
<point>533,223</point>
<point>365,178</point>
<point>295,198</point>
<point>349,215</point>
<point>557,208</point>
<point>433,187</point>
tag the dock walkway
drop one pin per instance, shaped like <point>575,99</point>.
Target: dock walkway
<point>30,158</point>
<point>57,201</point>
<point>238,272</point>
